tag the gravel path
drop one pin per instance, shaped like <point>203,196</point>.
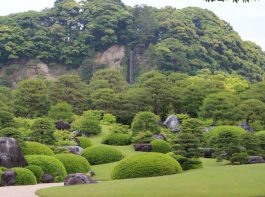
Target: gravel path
<point>24,191</point>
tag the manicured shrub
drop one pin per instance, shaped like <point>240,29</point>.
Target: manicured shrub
<point>24,177</point>
<point>74,163</point>
<point>118,139</point>
<point>161,146</point>
<point>49,164</point>
<point>61,112</point>
<point>101,154</point>
<point>13,133</point>
<point>109,119</point>
<point>90,126</point>
<point>35,148</point>
<point>143,137</point>
<point>42,131</point>
<point>260,133</point>
<point>187,163</point>
<point>146,165</point>
<point>215,131</point>
<point>6,119</point>
<point>145,121</point>
<point>37,171</point>
<point>241,158</point>
<point>120,128</point>
<point>84,142</point>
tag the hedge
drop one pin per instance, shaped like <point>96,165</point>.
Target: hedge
<point>35,148</point>
<point>74,163</point>
<point>37,171</point>
<point>118,139</point>
<point>24,176</point>
<point>101,154</point>
<point>161,146</point>
<point>49,164</point>
<point>146,165</point>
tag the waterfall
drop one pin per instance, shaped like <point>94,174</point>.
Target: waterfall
<point>130,69</point>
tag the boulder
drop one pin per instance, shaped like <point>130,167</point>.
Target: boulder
<point>172,123</point>
<point>78,179</point>
<point>77,150</point>
<point>76,134</point>
<point>255,159</point>
<point>47,178</point>
<point>160,136</point>
<point>61,125</point>
<point>10,153</point>
<point>143,147</point>
<point>8,178</point>
<point>246,127</point>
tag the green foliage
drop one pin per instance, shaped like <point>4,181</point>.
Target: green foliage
<point>118,139</point>
<point>84,142</point>
<point>35,148</point>
<point>61,112</point>
<point>74,163</point>
<point>233,129</point>
<point>109,119</point>
<point>251,143</point>
<point>146,165</point>
<point>42,131</point>
<point>6,119</point>
<point>37,171</point>
<point>119,128</point>
<point>31,99</point>
<point>143,137</point>
<point>145,121</point>
<point>101,154</point>
<point>49,164</point>
<point>24,176</point>
<point>90,125</point>
<point>13,133</point>
<point>240,158</point>
<point>187,163</point>
<point>161,146</point>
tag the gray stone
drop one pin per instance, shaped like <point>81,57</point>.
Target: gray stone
<point>47,178</point>
<point>10,153</point>
<point>76,134</point>
<point>77,150</point>
<point>255,159</point>
<point>143,147</point>
<point>172,123</point>
<point>160,136</point>
<point>246,127</point>
<point>78,179</point>
<point>8,178</point>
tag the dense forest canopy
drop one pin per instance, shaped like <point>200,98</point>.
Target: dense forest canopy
<point>185,40</point>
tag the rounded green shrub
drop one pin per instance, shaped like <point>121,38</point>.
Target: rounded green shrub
<point>101,154</point>
<point>145,121</point>
<point>74,163</point>
<point>187,163</point>
<point>90,126</point>
<point>109,119</point>
<point>37,171</point>
<point>49,164</point>
<point>260,133</point>
<point>84,142</point>
<point>24,176</point>
<point>161,146</point>
<point>118,139</point>
<point>217,130</point>
<point>35,148</point>
<point>146,165</point>
<point>241,158</point>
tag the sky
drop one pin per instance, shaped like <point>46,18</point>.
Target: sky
<point>248,19</point>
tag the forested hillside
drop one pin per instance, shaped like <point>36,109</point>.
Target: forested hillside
<point>71,34</point>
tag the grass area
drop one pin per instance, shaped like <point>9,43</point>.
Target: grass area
<point>214,180</point>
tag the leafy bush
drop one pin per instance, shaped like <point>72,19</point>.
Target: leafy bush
<point>109,119</point>
<point>74,163</point>
<point>145,121</point>
<point>42,131</point>
<point>84,142</point>
<point>24,177</point>
<point>119,128</point>
<point>101,154</point>
<point>260,133</point>
<point>161,146</point>
<point>143,137</point>
<point>146,165</point>
<point>62,112</point>
<point>241,158</point>
<point>35,148</point>
<point>49,164</point>
<point>37,171</point>
<point>118,139</point>
<point>13,133</point>
<point>90,126</point>
<point>187,163</point>
<point>7,119</point>
<point>215,131</point>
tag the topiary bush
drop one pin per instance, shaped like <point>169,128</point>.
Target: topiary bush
<point>146,165</point>
<point>74,163</point>
<point>62,112</point>
<point>101,154</point>
<point>118,139</point>
<point>24,176</point>
<point>37,171</point>
<point>145,121</point>
<point>187,163</point>
<point>84,142</point>
<point>35,148</point>
<point>161,146</point>
<point>109,119</point>
<point>90,126</point>
<point>49,164</point>
<point>217,130</point>
<point>241,158</point>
